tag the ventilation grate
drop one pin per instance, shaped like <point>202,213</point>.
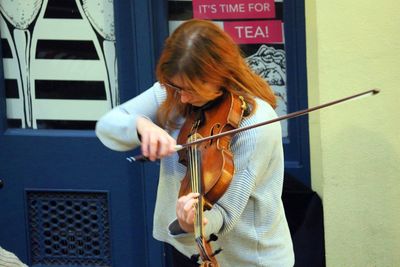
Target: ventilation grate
<point>69,228</point>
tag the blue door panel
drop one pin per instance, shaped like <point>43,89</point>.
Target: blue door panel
<point>69,167</point>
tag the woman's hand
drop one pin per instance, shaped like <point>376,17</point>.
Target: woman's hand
<point>185,211</point>
<point>156,142</point>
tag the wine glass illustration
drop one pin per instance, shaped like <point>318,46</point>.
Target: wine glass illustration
<point>20,14</point>
<point>70,78</point>
<point>101,16</point>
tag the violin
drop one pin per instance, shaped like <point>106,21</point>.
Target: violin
<point>210,166</point>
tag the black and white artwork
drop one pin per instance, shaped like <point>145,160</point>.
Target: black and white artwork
<point>270,64</point>
<point>59,62</point>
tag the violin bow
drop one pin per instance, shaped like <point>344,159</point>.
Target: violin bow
<point>371,92</point>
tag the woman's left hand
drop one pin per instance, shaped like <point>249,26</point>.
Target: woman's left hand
<point>185,211</point>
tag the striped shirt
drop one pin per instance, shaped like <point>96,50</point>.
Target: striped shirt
<point>249,218</point>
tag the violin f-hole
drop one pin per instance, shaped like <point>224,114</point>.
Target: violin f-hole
<point>214,130</point>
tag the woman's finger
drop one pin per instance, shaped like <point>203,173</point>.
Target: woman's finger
<point>145,145</point>
<point>153,146</point>
<point>164,146</point>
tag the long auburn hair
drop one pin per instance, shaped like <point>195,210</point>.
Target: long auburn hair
<point>199,51</point>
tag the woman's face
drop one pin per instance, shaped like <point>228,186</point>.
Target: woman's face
<point>188,96</point>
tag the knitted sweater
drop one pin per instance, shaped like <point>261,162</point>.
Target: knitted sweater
<point>8,259</point>
<point>249,218</point>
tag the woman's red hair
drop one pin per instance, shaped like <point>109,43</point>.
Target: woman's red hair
<point>199,51</point>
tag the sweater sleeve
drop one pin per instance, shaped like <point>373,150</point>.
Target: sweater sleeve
<point>117,128</point>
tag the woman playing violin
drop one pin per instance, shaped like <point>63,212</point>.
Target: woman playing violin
<point>199,65</point>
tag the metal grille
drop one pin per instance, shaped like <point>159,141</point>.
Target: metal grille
<point>69,228</point>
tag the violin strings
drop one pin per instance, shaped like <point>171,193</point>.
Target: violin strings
<point>194,171</point>
<point>199,205</point>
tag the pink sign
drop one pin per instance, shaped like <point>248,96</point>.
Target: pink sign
<point>233,9</point>
<point>255,32</point>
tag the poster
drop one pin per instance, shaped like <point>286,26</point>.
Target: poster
<point>257,26</point>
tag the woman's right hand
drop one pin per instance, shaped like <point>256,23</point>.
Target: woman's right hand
<point>156,143</point>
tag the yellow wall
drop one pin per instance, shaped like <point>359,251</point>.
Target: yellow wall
<point>355,147</point>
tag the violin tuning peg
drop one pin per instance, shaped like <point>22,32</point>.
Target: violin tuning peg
<point>217,251</point>
<point>195,258</point>
<point>213,237</point>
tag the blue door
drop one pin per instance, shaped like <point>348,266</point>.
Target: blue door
<point>65,199</point>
